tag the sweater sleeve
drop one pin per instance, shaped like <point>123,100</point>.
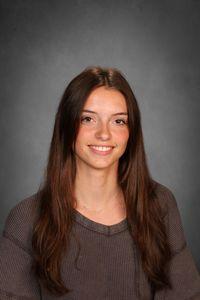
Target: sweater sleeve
<point>183,272</point>
<point>17,280</point>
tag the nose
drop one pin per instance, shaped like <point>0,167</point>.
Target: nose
<point>103,132</point>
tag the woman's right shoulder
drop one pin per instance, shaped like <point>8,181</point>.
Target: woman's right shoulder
<point>21,219</point>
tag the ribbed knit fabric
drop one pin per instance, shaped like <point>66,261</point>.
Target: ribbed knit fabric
<point>108,266</point>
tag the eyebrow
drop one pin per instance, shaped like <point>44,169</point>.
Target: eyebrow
<point>93,112</point>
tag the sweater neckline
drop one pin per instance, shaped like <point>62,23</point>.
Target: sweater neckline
<point>99,227</point>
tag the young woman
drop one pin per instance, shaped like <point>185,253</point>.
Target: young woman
<point>99,227</point>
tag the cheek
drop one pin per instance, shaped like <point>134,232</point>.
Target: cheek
<point>122,136</point>
<point>82,138</point>
<point>83,133</point>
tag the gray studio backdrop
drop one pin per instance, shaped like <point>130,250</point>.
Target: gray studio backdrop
<point>156,44</point>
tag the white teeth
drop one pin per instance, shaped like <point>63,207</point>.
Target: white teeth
<point>100,148</point>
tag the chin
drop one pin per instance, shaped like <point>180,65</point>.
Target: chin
<point>102,165</point>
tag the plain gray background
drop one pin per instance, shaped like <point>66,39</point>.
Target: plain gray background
<point>156,44</point>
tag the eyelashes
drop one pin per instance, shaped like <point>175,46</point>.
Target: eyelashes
<point>87,119</point>
<point>121,122</point>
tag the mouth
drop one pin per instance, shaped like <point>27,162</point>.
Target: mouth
<point>103,150</point>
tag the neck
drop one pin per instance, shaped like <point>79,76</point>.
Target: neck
<point>97,190</point>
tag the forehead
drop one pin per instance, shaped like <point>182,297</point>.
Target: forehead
<point>103,98</point>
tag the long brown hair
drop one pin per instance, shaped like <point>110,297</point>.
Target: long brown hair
<point>52,231</point>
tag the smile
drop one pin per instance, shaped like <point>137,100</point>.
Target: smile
<point>101,149</point>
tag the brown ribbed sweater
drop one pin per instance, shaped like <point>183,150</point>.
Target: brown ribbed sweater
<point>108,266</point>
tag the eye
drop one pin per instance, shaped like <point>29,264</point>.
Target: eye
<point>121,121</point>
<point>86,119</point>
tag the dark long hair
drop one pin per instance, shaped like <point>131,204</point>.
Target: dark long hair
<point>52,230</point>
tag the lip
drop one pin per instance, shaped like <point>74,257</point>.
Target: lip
<point>99,152</point>
<point>102,146</point>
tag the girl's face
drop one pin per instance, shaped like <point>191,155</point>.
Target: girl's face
<point>103,133</point>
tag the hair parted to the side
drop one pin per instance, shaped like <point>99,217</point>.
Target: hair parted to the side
<point>52,231</point>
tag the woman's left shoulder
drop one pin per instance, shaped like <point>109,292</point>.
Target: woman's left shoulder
<point>183,272</point>
<point>166,197</point>
<point>172,217</point>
